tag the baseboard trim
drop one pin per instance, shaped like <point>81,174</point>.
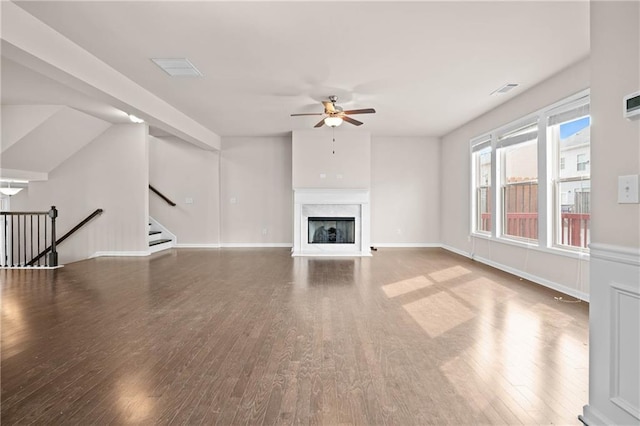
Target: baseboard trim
<point>119,254</point>
<point>256,245</point>
<point>534,278</point>
<point>455,250</point>
<point>32,268</point>
<point>592,417</point>
<point>187,245</point>
<point>406,245</point>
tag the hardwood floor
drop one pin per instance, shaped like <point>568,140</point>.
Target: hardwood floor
<point>240,336</point>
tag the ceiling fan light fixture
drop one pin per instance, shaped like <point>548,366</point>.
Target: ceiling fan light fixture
<point>333,121</point>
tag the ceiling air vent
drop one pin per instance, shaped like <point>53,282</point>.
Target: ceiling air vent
<point>177,67</point>
<point>504,89</point>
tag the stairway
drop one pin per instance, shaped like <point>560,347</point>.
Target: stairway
<point>158,239</point>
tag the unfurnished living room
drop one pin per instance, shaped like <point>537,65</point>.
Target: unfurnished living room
<point>317,212</point>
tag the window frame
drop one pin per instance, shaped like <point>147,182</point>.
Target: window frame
<point>547,169</point>
<point>477,145</point>
<point>520,132</point>
<point>575,110</point>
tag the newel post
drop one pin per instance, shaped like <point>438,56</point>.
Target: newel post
<point>53,256</point>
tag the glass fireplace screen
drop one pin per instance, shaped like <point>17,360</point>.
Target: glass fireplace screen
<point>332,230</point>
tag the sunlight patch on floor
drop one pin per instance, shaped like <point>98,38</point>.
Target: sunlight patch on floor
<point>482,291</point>
<point>449,273</point>
<point>406,286</point>
<point>520,346</point>
<point>551,315</point>
<point>438,313</point>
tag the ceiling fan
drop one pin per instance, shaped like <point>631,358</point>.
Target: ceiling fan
<point>335,115</point>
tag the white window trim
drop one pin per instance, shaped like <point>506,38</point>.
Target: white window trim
<point>477,144</point>
<point>545,240</point>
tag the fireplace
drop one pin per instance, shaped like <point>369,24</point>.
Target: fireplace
<point>331,222</point>
<point>332,230</point>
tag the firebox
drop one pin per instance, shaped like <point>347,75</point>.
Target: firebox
<point>332,230</point>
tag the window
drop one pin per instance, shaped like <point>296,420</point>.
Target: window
<point>539,189</point>
<point>569,136</point>
<point>481,158</point>
<point>518,154</point>
<point>582,162</point>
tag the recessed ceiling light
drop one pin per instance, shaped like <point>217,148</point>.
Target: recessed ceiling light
<point>135,119</point>
<point>504,89</point>
<point>177,67</point>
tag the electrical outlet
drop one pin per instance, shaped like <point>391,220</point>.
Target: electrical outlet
<point>233,200</point>
<point>265,231</point>
<point>188,200</point>
<point>323,175</point>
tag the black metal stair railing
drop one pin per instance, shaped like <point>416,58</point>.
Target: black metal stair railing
<point>24,233</point>
<point>29,238</point>
<point>52,247</point>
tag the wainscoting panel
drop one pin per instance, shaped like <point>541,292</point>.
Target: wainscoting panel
<point>614,336</point>
<point>625,351</point>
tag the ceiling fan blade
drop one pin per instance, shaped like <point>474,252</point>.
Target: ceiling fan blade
<point>320,124</point>
<point>329,107</point>
<point>360,111</point>
<point>351,120</point>
<point>309,113</point>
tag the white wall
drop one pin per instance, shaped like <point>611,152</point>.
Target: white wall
<point>568,274</point>
<point>405,191</point>
<point>614,311</point>
<point>111,173</point>
<point>345,163</point>
<point>255,191</point>
<point>70,128</point>
<point>182,171</point>
<point>259,174</point>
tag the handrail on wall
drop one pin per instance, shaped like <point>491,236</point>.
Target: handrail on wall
<point>161,195</point>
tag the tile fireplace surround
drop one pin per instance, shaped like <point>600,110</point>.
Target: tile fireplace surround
<point>331,203</point>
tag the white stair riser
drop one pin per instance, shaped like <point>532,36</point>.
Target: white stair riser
<point>155,237</point>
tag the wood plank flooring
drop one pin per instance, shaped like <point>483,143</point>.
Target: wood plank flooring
<point>253,336</point>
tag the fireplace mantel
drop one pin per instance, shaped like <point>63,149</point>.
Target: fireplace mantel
<point>335,203</point>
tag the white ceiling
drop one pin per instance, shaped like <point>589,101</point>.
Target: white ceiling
<point>22,86</point>
<point>426,67</point>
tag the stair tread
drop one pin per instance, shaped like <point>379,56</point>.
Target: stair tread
<point>161,241</point>
<point>155,232</point>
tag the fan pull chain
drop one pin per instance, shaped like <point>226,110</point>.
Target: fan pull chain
<point>333,129</point>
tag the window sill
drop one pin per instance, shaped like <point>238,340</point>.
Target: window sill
<point>522,244</point>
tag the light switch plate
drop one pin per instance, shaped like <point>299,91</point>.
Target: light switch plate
<point>628,192</point>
